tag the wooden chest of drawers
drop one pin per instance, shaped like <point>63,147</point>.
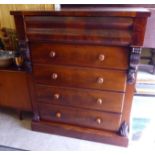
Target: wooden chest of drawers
<point>84,66</point>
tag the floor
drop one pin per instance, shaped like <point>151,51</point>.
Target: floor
<point>16,133</point>
<point>6,148</point>
<point>145,84</point>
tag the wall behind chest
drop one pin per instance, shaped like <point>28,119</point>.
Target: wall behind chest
<point>6,20</point>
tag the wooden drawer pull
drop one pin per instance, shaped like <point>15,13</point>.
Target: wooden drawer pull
<point>56,96</point>
<point>100,80</point>
<point>99,120</point>
<point>101,57</point>
<point>54,76</point>
<point>58,115</point>
<point>99,101</point>
<point>52,54</point>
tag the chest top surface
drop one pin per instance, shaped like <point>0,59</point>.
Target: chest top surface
<point>126,12</point>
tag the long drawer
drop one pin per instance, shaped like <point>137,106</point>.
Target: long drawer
<point>89,99</point>
<point>92,30</point>
<point>80,55</point>
<point>88,118</point>
<point>101,79</point>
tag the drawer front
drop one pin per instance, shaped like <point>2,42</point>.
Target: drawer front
<point>92,30</point>
<point>81,55</point>
<point>89,99</point>
<point>80,77</point>
<point>73,22</point>
<point>77,116</point>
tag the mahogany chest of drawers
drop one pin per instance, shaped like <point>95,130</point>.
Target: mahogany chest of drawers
<point>84,65</point>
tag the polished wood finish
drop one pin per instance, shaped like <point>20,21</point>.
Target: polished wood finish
<point>87,29</point>
<point>88,99</point>
<point>139,29</point>
<point>150,32</point>
<point>80,132</point>
<point>115,36</point>
<point>89,12</point>
<point>78,116</point>
<point>106,37</point>
<point>83,55</point>
<point>81,65</point>
<point>14,92</point>
<point>91,31</point>
<point>80,77</point>
<point>78,22</point>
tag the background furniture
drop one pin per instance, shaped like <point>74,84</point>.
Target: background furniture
<point>148,60</point>
<point>84,65</point>
<point>14,88</point>
<point>9,39</point>
<point>14,91</point>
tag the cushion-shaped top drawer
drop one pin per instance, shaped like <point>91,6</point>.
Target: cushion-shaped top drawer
<point>74,29</point>
<point>79,77</point>
<point>82,98</point>
<point>80,55</point>
<point>81,117</point>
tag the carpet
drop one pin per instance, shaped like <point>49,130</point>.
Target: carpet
<point>143,118</point>
<point>7,148</point>
<point>138,127</point>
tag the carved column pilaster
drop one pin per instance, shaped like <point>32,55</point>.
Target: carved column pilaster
<point>133,64</point>
<point>24,50</point>
<point>36,117</point>
<point>124,130</point>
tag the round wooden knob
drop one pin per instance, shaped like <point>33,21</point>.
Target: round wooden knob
<point>99,120</point>
<point>56,96</point>
<point>101,57</point>
<point>58,115</point>
<point>54,76</point>
<point>99,101</point>
<point>52,54</point>
<point>100,80</point>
